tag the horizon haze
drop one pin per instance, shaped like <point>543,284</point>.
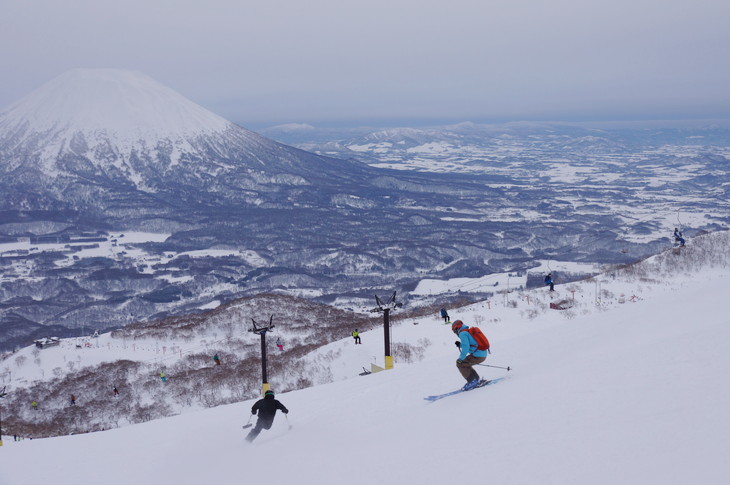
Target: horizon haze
<point>382,63</point>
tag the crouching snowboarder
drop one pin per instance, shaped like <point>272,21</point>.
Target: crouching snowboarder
<point>549,281</point>
<point>266,409</point>
<point>678,237</point>
<point>445,315</point>
<point>474,347</point>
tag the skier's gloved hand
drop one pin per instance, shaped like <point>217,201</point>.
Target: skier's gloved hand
<point>458,344</point>
<point>253,412</point>
<point>459,361</point>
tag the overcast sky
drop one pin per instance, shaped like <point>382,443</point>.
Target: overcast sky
<point>268,62</point>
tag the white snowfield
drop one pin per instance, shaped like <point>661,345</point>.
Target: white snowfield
<point>632,392</point>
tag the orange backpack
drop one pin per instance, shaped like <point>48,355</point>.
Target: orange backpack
<point>481,339</point>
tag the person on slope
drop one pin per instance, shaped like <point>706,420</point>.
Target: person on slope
<point>470,354</point>
<point>549,281</point>
<point>445,315</point>
<point>266,409</point>
<point>678,237</point>
<point>356,336</point>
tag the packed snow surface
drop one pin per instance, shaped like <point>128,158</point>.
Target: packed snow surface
<point>620,390</point>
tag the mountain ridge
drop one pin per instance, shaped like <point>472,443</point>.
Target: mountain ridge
<point>116,131</point>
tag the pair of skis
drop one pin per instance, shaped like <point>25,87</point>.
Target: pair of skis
<point>481,383</point>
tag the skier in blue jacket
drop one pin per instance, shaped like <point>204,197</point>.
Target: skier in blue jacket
<point>470,354</point>
<point>445,315</point>
<point>549,281</point>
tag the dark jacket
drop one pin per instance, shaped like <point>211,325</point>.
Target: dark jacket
<point>267,407</point>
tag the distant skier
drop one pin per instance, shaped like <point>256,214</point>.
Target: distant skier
<point>73,400</point>
<point>356,336</point>
<point>445,315</point>
<point>266,409</point>
<point>549,281</point>
<point>678,237</point>
<point>216,359</point>
<point>163,377</point>
<point>116,391</point>
<point>471,354</point>
<point>34,405</point>
<point>279,344</point>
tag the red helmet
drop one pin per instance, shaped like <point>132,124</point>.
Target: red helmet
<point>457,325</point>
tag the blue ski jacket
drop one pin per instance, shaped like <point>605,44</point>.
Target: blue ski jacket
<point>469,345</point>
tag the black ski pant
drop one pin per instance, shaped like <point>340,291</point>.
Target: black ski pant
<point>261,424</point>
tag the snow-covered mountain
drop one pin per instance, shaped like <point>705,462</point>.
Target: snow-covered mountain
<point>91,136</point>
<point>625,386</point>
<point>108,105</point>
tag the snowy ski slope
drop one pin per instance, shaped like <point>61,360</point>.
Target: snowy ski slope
<point>630,391</point>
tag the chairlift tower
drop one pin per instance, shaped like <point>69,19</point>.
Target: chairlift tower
<point>261,330</point>
<point>2,394</point>
<point>385,309</point>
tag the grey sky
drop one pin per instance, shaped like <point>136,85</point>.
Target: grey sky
<point>278,61</point>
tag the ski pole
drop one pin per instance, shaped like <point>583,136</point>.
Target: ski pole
<point>286,415</point>
<point>249,422</point>
<point>496,366</point>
